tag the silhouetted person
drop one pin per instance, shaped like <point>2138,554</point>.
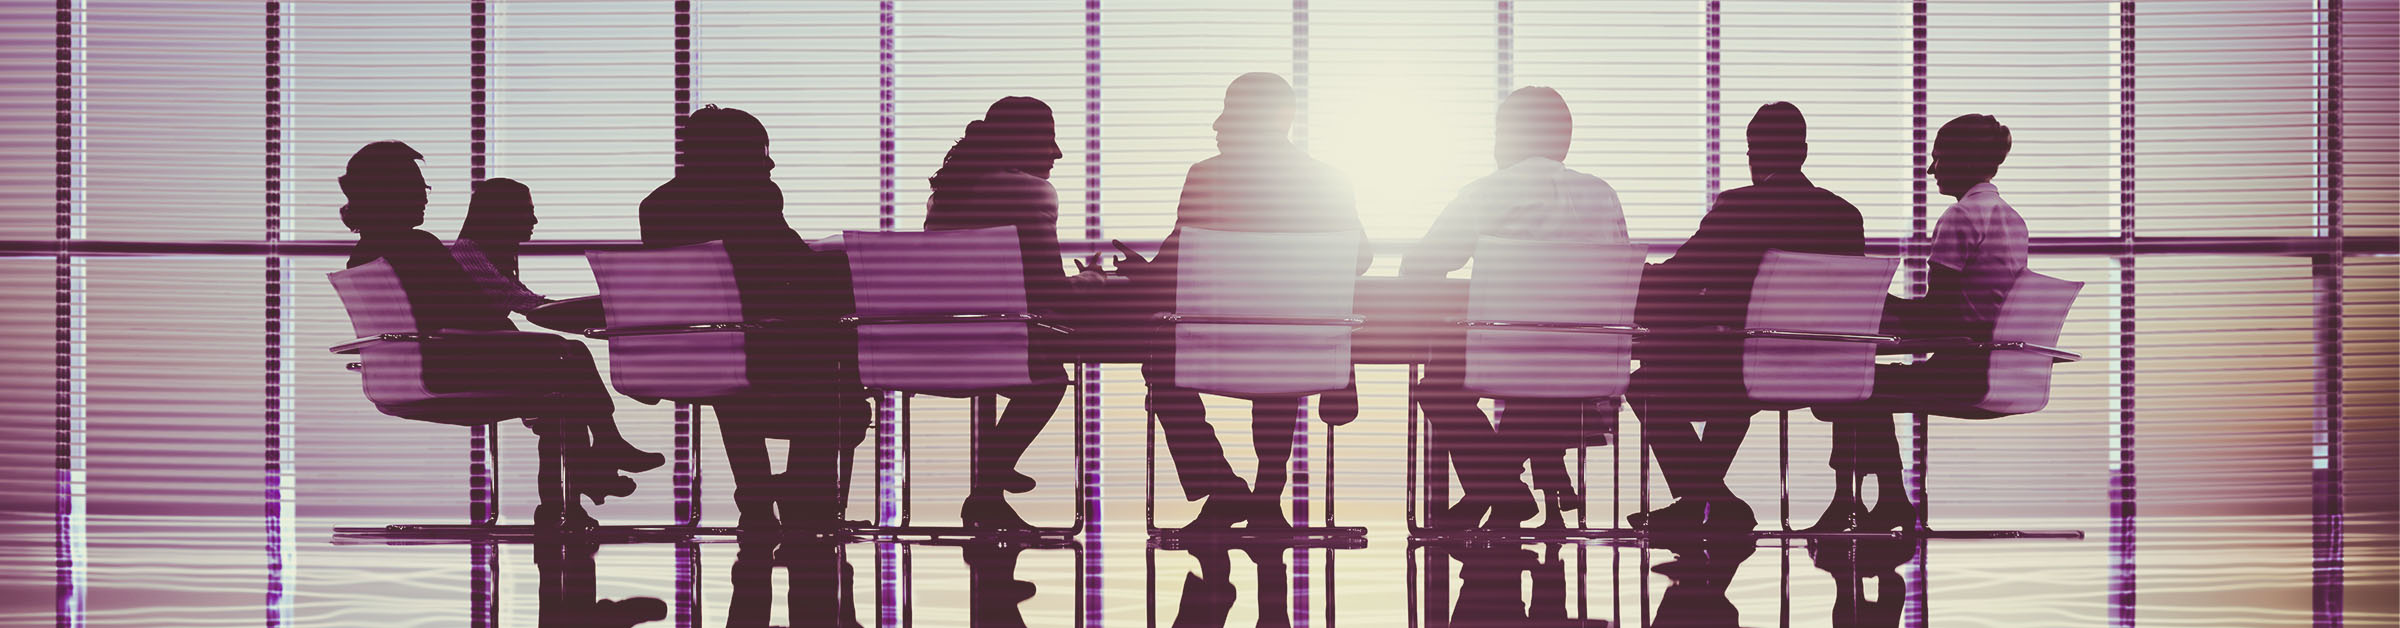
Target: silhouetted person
<point>1532,197</point>
<point>998,174</point>
<point>499,220</point>
<point>1851,562</point>
<point>570,586</point>
<point>1258,181</point>
<point>1208,596</point>
<point>721,191</point>
<point>1695,595</point>
<point>1979,248</point>
<point>1689,393</point>
<point>819,577</point>
<point>385,193</point>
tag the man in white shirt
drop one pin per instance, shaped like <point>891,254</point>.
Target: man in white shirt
<point>1531,197</point>
<point>1979,248</point>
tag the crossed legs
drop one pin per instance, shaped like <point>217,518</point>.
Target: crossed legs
<point>1200,464</point>
<point>1695,435</point>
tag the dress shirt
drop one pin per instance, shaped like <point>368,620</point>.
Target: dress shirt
<point>1534,199</point>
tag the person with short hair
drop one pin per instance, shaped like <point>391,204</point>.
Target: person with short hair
<point>1979,248</point>
<point>1258,181</point>
<point>1688,392</point>
<point>1533,196</point>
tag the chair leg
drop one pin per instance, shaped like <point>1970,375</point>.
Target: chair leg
<point>1783,466</point>
<point>1150,468</point>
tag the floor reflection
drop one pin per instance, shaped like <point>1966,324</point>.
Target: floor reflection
<point>1452,585</point>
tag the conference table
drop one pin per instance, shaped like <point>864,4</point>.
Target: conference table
<point>1118,322</point>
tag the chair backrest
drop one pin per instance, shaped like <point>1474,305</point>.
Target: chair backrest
<point>395,375</point>
<point>1551,282</point>
<point>962,271</point>
<point>1249,273</point>
<point>1814,293</point>
<point>683,285</point>
<point>2034,312</point>
<point>372,295</point>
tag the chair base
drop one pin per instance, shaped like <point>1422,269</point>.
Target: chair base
<point>1538,535</point>
<point>1333,537</point>
<point>959,534</point>
<point>1998,534</point>
<point>440,533</point>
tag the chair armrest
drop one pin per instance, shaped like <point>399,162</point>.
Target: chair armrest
<point>1222,319</point>
<point>962,317</point>
<point>1794,334</point>
<point>355,345</point>
<point>691,328</point>
<point>1961,343</point>
<point>1584,328</point>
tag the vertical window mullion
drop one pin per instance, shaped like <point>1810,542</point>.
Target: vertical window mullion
<point>278,511</point>
<point>2327,465</point>
<point>2122,511</point>
<point>1713,31</point>
<point>68,299</point>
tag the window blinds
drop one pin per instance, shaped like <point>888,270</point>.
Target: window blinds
<point>2219,172</point>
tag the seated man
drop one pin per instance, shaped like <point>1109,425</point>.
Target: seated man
<point>1979,247</point>
<point>1531,197</point>
<point>1694,384</point>
<point>1258,181</point>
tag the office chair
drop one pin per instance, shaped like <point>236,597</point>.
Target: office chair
<point>944,313</point>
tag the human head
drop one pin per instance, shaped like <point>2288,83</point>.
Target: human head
<point>1016,133</point>
<point>383,188</point>
<point>718,140</point>
<point>1259,107</point>
<point>1968,151</point>
<point>500,211</point>
<point>1778,140</point>
<point>1532,122</point>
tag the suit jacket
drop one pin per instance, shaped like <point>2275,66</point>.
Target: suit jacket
<point>439,292</point>
<point>1707,282</point>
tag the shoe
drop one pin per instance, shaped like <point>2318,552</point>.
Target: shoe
<point>1841,516</point>
<point>758,512</point>
<point>627,612</point>
<point>1221,512</point>
<point>1566,499</point>
<point>1511,510</point>
<point>623,456</point>
<point>1006,480</point>
<point>600,488</point>
<point>1683,514</point>
<point>990,511</point>
<point>1729,514</point>
<point>1888,515</point>
<point>1465,515</point>
<point>550,517</point>
<point>1266,511</point>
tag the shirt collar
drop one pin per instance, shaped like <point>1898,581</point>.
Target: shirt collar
<point>1536,164</point>
<point>1981,188</point>
<point>1788,177</point>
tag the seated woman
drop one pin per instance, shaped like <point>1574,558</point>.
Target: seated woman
<point>998,174</point>
<point>724,190</point>
<point>1979,247</point>
<point>386,202</point>
<point>499,219</point>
